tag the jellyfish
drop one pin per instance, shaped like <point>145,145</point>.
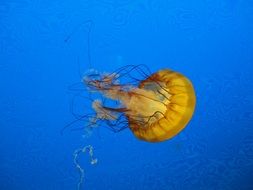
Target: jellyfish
<point>155,108</point>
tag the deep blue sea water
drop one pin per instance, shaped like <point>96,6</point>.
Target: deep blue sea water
<point>47,46</point>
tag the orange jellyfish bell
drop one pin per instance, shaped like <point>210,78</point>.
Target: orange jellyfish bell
<point>156,110</point>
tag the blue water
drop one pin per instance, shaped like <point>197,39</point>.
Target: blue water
<point>46,47</point>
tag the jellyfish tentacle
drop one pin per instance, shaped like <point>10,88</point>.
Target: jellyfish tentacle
<point>90,150</point>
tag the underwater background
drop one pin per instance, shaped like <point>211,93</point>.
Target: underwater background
<point>47,46</point>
